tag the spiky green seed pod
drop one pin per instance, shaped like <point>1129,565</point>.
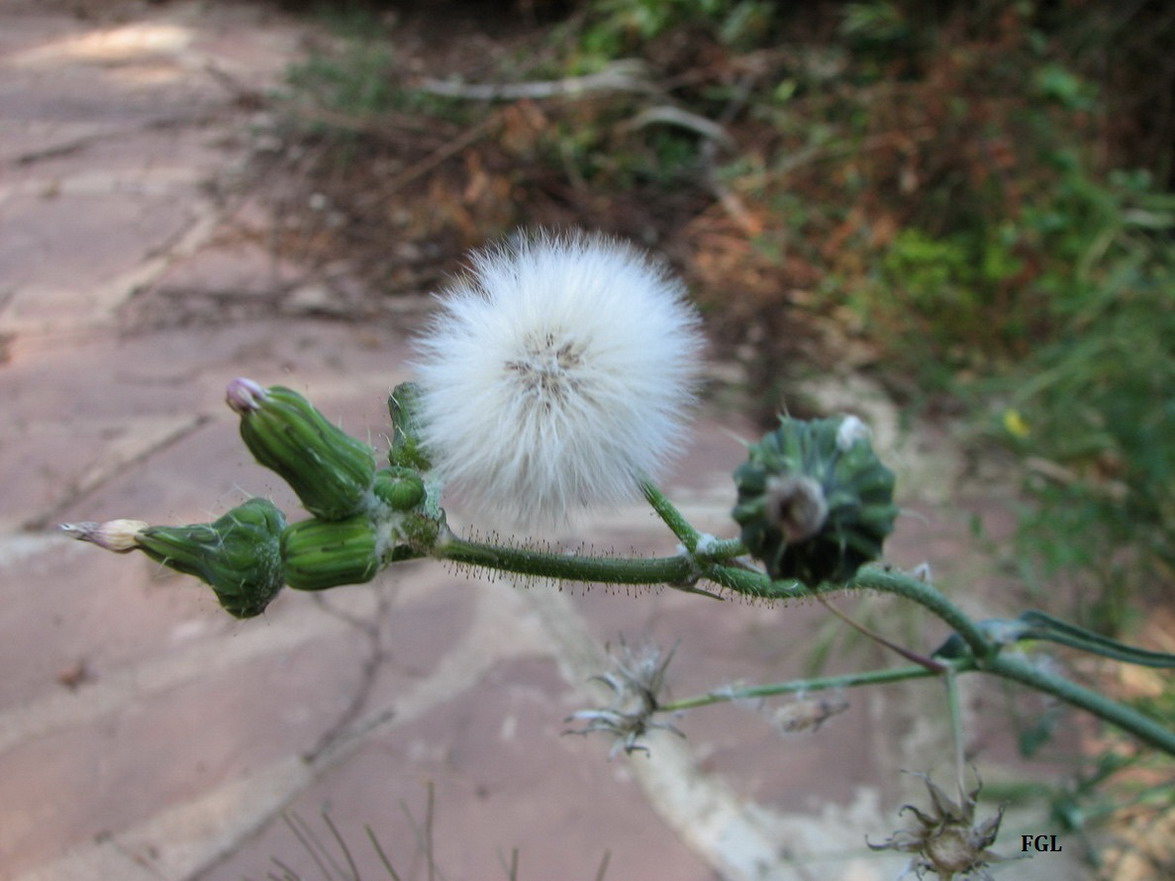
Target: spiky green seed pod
<point>406,450</point>
<point>401,489</point>
<point>330,471</point>
<point>319,554</point>
<point>239,555</point>
<point>814,501</point>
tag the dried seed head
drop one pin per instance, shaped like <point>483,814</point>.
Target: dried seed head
<point>946,840</point>
<point>636,680</point>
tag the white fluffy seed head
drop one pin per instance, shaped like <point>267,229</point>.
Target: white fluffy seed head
<point>555,376</point>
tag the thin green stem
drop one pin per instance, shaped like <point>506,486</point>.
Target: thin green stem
<point>1129,720</point>
<point>909,655</point>
<point>956,712</point>
<point>757,584</point>
<point>1144,728</point>
<point>725,548</point>
<point>714,550</point>
<point>872,578</point>
<point>847,680</point>
<point>673,518</point>
<point>1041,625</point>
<point>687,568</point>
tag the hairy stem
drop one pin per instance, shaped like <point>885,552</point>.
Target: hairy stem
<point>691,539</point>
<point>572,567</point>
<point>925,595</point>
<point>686,568</point>
<point>673,518</point>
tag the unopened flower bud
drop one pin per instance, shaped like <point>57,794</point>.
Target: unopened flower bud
<point>119,536</point>
<point>401,489</point>
<point>330,471</point>
<point>244,396</point>
<point>814,501</point>
<point>319,554</point>
<point>239,555</point>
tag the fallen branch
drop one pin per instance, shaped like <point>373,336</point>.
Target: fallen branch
<point>621,76</point>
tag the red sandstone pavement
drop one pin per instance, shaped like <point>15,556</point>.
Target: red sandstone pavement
<point>144,734</point>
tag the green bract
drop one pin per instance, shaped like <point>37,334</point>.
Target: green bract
<point>814,501</point>
<point>401,489</point>
<point>406,449</point>
<point>239,555</point>
<point>327,553</point>
<point>330,471</point>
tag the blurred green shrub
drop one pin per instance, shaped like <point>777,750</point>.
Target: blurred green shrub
<point>1094,414</point>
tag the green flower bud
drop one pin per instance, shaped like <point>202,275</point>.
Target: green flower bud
<point>401,489</point>
<point>327,553</point>
<point>239,555</point>
<point>814,501</point>
<point>406,449</point>
<point>330,471</point>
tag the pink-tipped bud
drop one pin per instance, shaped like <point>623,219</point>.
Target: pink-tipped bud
<point>119,536</point>
<point>244,396</point>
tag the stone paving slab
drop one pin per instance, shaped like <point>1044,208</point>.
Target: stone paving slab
<point>146,735</point>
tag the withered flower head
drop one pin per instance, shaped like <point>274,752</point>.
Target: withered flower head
<point>636,679</point>
<point>946,840</point>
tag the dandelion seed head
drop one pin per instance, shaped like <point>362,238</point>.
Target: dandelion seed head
<point>555,376</point>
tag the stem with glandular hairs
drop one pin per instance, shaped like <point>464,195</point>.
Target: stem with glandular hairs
<point>716,563</point>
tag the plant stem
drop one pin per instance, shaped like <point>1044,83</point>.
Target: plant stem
<point>1145,729</point>
<point>1129,720</point>
<point>928,663</point>
<point>715,549</point>
<point>673,518</point>
<point>686,568</point>
<point>847,680</point>
<point>952,684</point>
<point>925,595</point>
<point>573,567</point>
<point>725,548</point>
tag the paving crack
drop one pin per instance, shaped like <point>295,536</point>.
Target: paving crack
<point>369,627</point>
<point>115,466</point>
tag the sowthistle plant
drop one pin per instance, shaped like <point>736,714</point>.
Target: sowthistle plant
<point>557,376</point>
